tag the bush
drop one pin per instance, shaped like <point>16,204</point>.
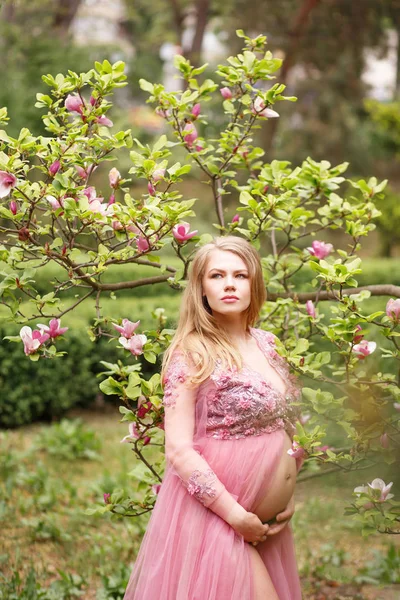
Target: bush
<point>44,390</point>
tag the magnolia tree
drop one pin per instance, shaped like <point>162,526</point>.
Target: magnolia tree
<point>52,213</point>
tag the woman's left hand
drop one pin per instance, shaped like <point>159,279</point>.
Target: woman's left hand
<point>282,518</point>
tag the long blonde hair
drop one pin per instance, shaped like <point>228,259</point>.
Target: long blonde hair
<point>198,335</point>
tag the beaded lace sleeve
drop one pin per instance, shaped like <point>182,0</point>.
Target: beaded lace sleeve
<point>191,467</point>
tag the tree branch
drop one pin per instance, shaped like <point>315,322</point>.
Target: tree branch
<point>376,290</point>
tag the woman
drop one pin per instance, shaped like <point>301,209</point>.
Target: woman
<point>219,529</point>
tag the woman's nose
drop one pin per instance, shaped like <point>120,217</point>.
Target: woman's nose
<point>229,282</point>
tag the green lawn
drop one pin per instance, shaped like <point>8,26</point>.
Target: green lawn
<point>42,516</point>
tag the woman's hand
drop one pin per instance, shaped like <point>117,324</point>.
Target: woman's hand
<point>282,518</point>
<point>249,526</point>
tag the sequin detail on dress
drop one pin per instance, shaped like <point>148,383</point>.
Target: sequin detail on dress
<point>200,485</point>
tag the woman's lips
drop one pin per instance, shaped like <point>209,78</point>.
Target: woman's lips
<point>229,300</point>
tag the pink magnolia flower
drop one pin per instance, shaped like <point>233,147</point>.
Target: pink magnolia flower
<point>111,200</point>
<point>7,182</point>
<point>143,410</point>
<point>13,207</point>
<point>199,147</point>
<point>226,93</point>
<point>196,110</point>
<point>384,440</point>
<point>235,219</point>
<point>81,172</point>
<point>103,120</point>
<point>134,344</point>
<point>32,340</point>
<point>393,309</point>
<point>90,193</point>
<point>320,249</point>
<point>106,497</point>
<point>128,328</point>
<point>158,174</point>
<point>190,134</point>
<point>114,178</point>
<point>117,225</point>
<point>146,440</point>
<point>54,168</point>
<point>181,232</point>
<point>156,488</point>
<point>364,348</point>
<point>142,244</point>
<point>359,337</point>
<point>311,309</point>
<point>73,103</point>
<point>151,189</point>
<point>261,110</point>
<point>133,434</point>
<point>53,329</point>
<point>304,418</point>
<point>379,484</point>
<point>55,202</point>
<point>96,206</point>
<point>296,451</point>
<point>92,100</point>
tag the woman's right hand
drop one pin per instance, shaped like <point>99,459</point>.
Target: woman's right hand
<point>249,526</point>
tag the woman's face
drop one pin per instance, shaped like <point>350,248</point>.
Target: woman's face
<point>226,283</point>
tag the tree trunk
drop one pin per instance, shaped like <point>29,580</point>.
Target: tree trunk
<point>64,14</point>
<point>300,23</point>
<point>202,13</point>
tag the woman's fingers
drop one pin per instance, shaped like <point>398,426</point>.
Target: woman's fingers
<point>274,529</point>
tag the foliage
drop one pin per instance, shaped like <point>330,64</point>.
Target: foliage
<point>55,217</point>
<point>40,391</point>
<point>69,439</point>
<point>67,587</point>
<point>383,568</point>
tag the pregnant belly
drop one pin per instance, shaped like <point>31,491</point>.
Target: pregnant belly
<point>281,488</point>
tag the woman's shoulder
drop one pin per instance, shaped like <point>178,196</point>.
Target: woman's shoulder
<point>264,335</point>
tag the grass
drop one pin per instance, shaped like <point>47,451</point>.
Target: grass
<point>42,515</point>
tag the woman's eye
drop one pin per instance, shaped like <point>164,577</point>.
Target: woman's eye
<point>215,275</point>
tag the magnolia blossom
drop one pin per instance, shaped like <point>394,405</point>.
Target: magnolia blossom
<point>74,103</point>
<point>13,207</point>
<point>364,348</point>
<point>235,219</point>
<point>111,200</point>
<point>85,173</point>
<point>357,338</point>
<point>146,440</point>
<point>226,93</point>
<point>114,177</point>
<point>53,329</point>
<point>90,193</point>
<point>384,440</point>
<point>393,309</point>
<point>304,418</point>
<point>151,189</point>
<point>134,344</point>
<point>32,339</point>
<point>296,451</point>
<point>181,232</point>
<point>377,490</point>
<point>320,249</point>
<point>261,110</point>
<point>142,244</point>
<point>310,308</point>
<point>7,182</point>
<point>190,134</point>
<point>103,208</point>
<point>158,174</point>
<point>196,110</point>
<point>116,225</point>
<point>103,120</point>
<point>156,488</point>
<point>133,433</point>
<point>128,328</point>
<point>55,202</point>
<point>54,168</point>
<point>106,497</point>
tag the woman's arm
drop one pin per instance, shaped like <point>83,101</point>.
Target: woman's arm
<point>194,471</point>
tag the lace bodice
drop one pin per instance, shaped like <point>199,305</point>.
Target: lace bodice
<point>242,403</point>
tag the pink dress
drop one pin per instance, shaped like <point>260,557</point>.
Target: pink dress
<point>231,435</point>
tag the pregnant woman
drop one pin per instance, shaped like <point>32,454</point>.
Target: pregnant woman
<point>220,526</point>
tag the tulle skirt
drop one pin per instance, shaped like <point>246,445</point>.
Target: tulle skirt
<point>189,553</point>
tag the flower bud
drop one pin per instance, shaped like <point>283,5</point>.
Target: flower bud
<point>196,110</point>
<point>54,168</point>
<point>226,93</point>
<point>13,207</point>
